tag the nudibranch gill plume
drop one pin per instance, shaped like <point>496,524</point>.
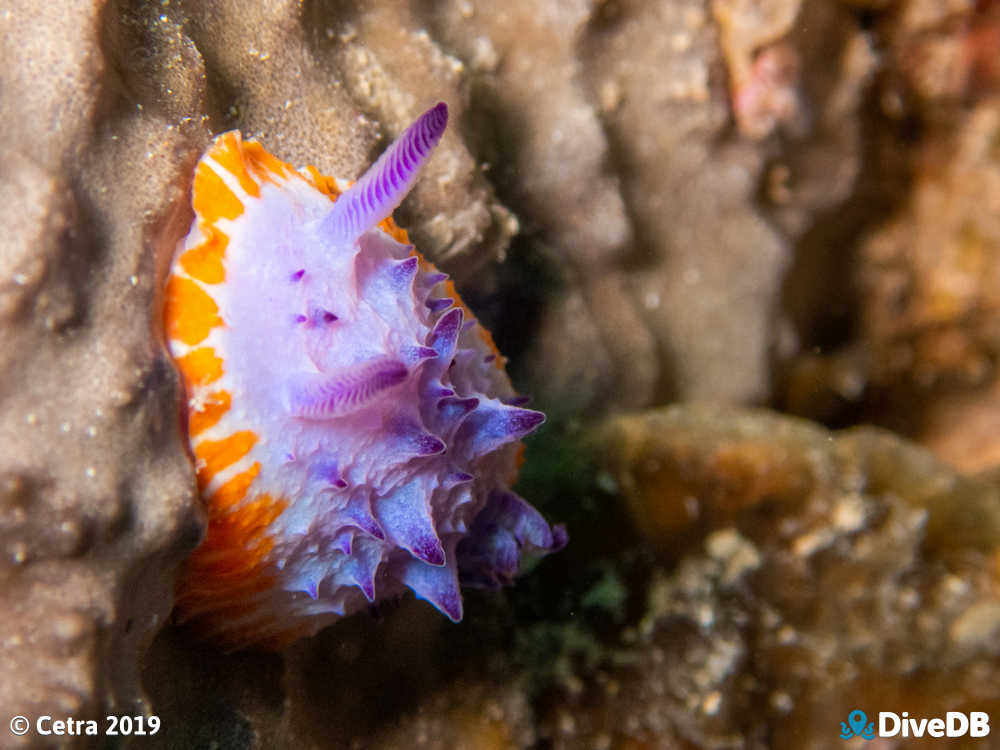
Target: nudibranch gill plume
<point>354,431</point>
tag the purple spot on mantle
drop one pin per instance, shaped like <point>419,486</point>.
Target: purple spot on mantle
<point>318,315</point>
<point>328,471</point>
<point>297,276</point>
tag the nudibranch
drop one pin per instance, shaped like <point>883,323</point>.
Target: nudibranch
<point>354,431</point>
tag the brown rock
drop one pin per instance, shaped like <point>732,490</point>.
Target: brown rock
<point>928,316</point>
<point>829,572</point>
<point>706,264</point>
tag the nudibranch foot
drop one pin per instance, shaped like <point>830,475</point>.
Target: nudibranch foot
<point>354,431</point>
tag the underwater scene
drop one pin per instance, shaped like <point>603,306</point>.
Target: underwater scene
<point>466,375</point>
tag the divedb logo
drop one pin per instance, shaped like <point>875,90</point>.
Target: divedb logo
<point>952,724</point>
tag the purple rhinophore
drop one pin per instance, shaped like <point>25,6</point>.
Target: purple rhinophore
<point>520,422</point>
<point>428,445</point>
<point>319,396</point>
<point>361,570</point>
<point>377,193</point>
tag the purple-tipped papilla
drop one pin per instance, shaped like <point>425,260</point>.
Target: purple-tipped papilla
<point>383,187</point>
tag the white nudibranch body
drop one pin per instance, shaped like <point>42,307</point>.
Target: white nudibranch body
<point>354,431</point>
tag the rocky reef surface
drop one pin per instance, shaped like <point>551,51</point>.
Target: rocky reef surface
<point>718,204</point>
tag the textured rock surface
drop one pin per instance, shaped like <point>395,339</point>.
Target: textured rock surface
<point>406,691</point>
<point>927,320</point>
<point>96,500</point>
<point>894,297</point>
<point>550,155</point>
<point>930,285</point>
<point>705,252</point>
<point>815,573</point>
<point>702,189</point>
